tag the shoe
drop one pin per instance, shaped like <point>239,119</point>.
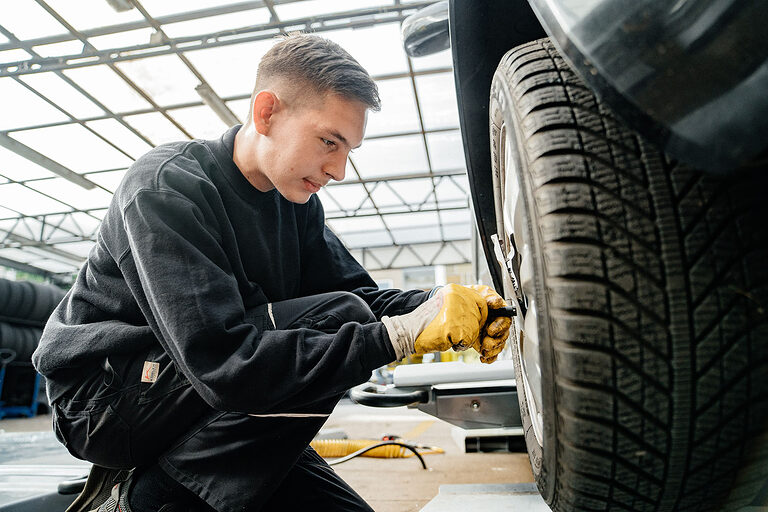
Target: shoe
<point>101,486</point>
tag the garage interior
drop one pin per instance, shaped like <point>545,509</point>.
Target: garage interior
<point>87,87</point>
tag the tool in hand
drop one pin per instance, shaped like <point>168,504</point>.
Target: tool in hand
<point>505,311</point>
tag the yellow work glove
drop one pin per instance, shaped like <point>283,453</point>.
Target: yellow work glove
<point>453,317</point>
<point>494,333</point>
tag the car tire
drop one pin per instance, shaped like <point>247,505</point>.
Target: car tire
<point>641,346</point>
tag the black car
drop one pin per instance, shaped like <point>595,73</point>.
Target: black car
<point>616,151</point>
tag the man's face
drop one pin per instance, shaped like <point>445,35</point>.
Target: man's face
<point>308,145</point>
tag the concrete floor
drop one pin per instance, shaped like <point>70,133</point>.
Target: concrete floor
<point>393,485</point>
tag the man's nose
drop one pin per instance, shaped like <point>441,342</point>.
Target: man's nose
<point>336,168</point>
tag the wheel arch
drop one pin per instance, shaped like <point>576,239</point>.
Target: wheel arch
<point>481,33</point>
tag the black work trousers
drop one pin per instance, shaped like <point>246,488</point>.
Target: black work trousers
<point>233,461</point>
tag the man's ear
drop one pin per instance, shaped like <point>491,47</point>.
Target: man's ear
<point>265,105</point>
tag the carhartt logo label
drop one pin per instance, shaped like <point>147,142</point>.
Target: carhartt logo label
<point>150,371</point>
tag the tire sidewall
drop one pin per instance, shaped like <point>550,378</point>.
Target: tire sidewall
<point>543,459</point>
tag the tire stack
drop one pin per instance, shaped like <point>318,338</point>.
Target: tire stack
<point>24,309</point>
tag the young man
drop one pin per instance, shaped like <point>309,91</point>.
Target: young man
<point>217,321</point>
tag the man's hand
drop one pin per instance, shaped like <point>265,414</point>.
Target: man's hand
<point>494,333</point>
<point>453,318</point>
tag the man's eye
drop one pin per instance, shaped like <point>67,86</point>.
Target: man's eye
<point>328,143</point>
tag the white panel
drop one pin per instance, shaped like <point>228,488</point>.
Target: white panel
<point>405,220</point>
<point>18,168</point>
<point>86,222</point>
<point>74,47</point>
<point>447,190</point>
<point>165,7</point>
<point>240,108</point>
<point>156,128</point>
<point>437,98</point>
<point>398,109</point>
<point>166,79</point>
<point>384,197</point>
<point>63,94</point>
<point>219,23</point>
<point>108,88</point>
<point>355,224</point>
<point>349,196</point>
<point>455,216</point>
<point>85,14</point>
<point>378,49</point>
<point>120,136</point>
<point>54,266</point>
<point>22,107</point>
<point>446,151</point>
<point>72,194</point>
<point>17,255</point>
<point>74,147</point>
<point>309,8</point>
<point>369,239</point>
<point>414,192</point>
<point>200,121</point>
<point>77,248</point>
<point>457,231</point>
<point>437,60</point>
<point>14,55</point>
<point>27,20</point>
<point>125,39</point>
<point>390,156</point>
<point>230,70</point>
<point>27,201</point>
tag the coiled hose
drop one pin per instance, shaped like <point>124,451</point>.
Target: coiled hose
<point>350,448</point>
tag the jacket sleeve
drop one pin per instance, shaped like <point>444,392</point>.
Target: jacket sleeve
<point>328,266</point>
<point>181,278</point>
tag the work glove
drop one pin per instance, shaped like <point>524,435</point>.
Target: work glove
<point>494,333</point>
<point>452,318</point>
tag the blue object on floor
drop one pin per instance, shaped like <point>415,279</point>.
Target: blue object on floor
<point>16,410</point>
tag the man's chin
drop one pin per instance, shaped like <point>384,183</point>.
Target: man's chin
<point>297,197</point>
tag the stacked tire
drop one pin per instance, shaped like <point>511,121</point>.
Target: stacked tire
<point>24,309</point>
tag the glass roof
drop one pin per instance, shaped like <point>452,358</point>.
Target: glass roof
<point>86,90</point>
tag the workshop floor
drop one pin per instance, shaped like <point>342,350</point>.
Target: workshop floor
<point>394,485</point>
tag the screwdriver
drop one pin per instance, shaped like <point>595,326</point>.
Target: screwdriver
<point>505,311</point>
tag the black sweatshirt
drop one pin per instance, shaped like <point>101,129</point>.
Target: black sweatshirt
<point>188,256</point>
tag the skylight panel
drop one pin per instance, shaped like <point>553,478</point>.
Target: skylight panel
<point>230,70</point>
<point>72,194</point>
<point>213,24</point>
<point>356,224</point>
<point>438,60</point>
<point>85,14</point>
<point>437,98</point>
<point>446,150</point>
<point>414,192</point>
<point>310,8</point>
<point>74,47</point>
<point>120,136</point>
<point>108,88</point>
<point>348,196</point>
<point>15,55</point>
<point>18,168</point>
<point>398,109</point>
<point>27,201</point>
<point>60,92</point>
<point>156,128</point>
<point>200,121</point>
<point>166,79</point>
<point>74,147</point>
<point>415,235</point>
<point>157,8</point>
<point>27,20</point>
<point>126,39</point>
<point>378,49</point>
<point>22,107</point>
<point>391,156</point>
